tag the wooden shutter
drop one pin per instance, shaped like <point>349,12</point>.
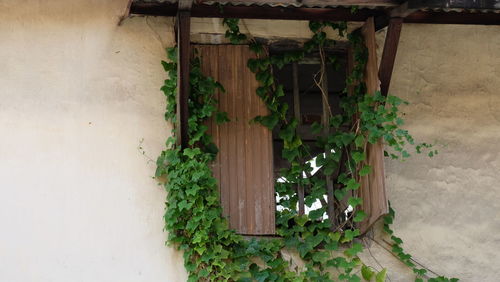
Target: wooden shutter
<point>372,189</point>
<point>244,165</point>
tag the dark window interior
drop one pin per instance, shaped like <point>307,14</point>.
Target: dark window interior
<point>311,107</point>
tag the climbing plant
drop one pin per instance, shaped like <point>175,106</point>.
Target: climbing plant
<point>327,245</point>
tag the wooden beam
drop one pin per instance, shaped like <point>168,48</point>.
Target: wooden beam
<point>454,18</point>
<point>185,5</point>
<point>309,3</point>
<point>402,11</point>
<point>296,93</point>
<point>288,13</point>
<point>389,54</point>
<point>183,55</point>
<point>454,4</point>
<point>297,115</point>
<point>154,9</point>
<point>256,12</point>
<point>329,14</point>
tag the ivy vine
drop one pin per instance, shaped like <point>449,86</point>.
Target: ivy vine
<point>328,246</point>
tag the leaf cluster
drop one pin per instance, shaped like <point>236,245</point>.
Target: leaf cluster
<point>193,217</point>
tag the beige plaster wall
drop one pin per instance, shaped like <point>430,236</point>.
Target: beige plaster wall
<point>77,94</point>
<point>448,207</point>
<point>212,31</point>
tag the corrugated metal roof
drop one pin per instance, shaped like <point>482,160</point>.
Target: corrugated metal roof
<point>284,3</point>
<point>383,4</point>
<point>458,10</point>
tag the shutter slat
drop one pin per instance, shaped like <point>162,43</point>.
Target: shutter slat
<point>245,160</point>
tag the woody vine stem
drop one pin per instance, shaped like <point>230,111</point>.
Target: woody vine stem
<point>328,247</point>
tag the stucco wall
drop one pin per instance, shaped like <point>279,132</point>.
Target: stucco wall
<point>448,207</point>
<point>77,94</point>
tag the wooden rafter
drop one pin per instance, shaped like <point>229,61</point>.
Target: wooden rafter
<point>185,5</point>
<point>256,12</point>
<point>184,52</point>
<point>402,11</point>
<point>389,54</point>
<point>331,14</point>
<point>310,3</point>
<point>454,18</point>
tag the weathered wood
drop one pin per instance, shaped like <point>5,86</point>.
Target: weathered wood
<point>389,54</point>
<point>311,3</point>
<point>244,165</point>
<point>328,14</point>
<point>296,94</point>
<point>454,4</point>
<point>402,11</point>
<point>256,12</point>
<point>297,115</point>
<point>301,196</point>
<point>183,55</point>
<point>372,189</point>
<point>469,18</point>
<point>185,5</point>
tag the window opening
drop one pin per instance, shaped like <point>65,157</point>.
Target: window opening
<point>304,97</point>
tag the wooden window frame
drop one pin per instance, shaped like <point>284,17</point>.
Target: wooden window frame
<point>372,186</point>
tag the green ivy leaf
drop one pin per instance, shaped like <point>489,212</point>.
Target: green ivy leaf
<point>340,194</point>
<point>397,240</point>
<point>336,121</point>
<point>190,153</point>
<point>365,170</point>
<point>301,220</point>
<point>420,272</point>
<point>315,214</point>
<point>380,277</point>
<point>358,156</point>
<point>349,235</point>
<point>354,202</point>
<point>405,154</point>
<point>321,257</point>
<point>335,236</point>
<point>314,240</point>
<point>262,276</point>
<point>347,138</point>
<point>367,273</point>
<point>352,184</point>
<point>354,250</point>
<point>359,141</point>
<point>316,128</point>
<point>360,216</point>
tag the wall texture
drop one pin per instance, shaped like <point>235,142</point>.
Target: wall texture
<point>448,207</point>
<point>78,93</point>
